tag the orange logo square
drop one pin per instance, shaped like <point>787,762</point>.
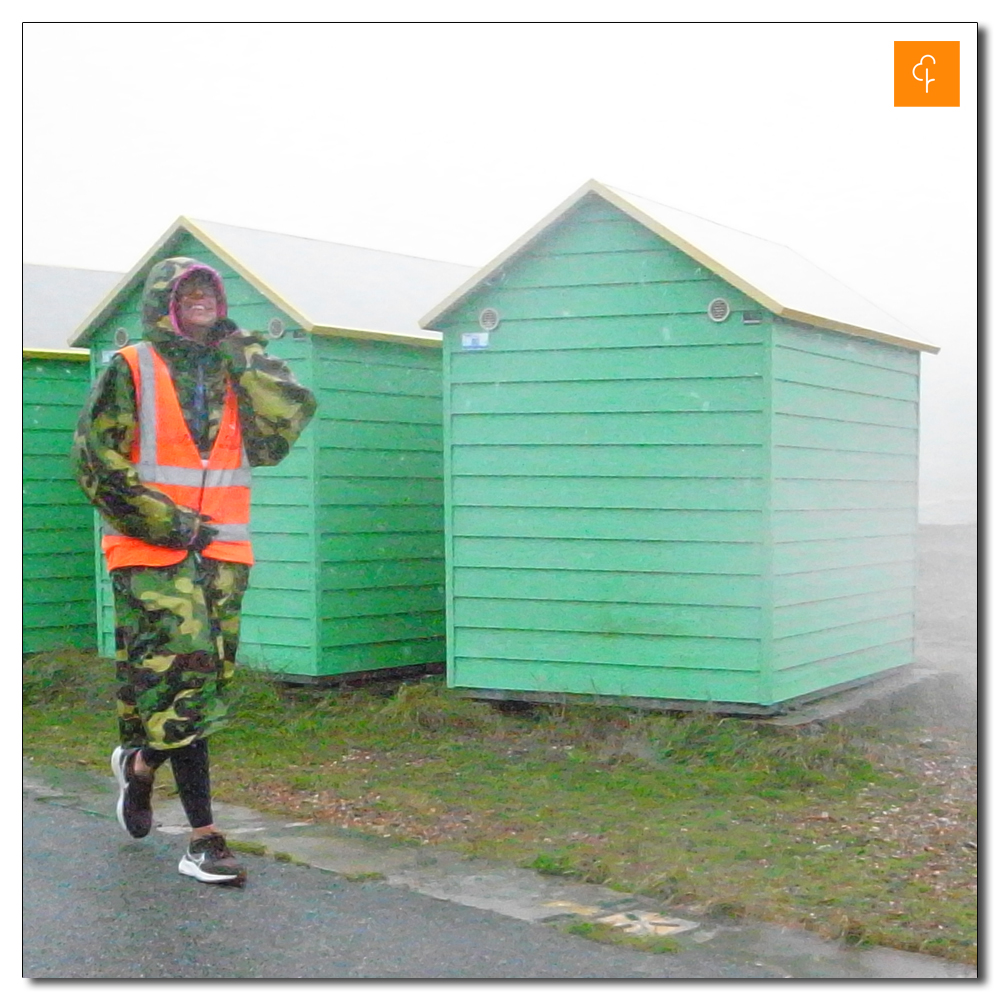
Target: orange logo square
<point>925,75</point>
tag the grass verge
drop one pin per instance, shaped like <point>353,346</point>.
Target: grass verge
<point>863,829</point>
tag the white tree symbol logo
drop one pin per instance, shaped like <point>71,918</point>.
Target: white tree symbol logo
<point>926,79</point>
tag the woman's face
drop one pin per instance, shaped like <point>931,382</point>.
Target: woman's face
<point>197,308</point>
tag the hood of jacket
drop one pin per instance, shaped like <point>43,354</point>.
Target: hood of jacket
<point>159,298</point>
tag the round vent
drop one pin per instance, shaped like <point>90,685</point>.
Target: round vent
<point>275,329</point>
<point>718,310</point>
<point>489,319</point>
<point>121,337</point>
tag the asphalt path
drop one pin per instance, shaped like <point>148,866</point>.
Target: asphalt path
<point>100,906</point>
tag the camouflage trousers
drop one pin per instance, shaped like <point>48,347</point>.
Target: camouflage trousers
<point>176,633</point>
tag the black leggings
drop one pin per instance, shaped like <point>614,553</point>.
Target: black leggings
<point>190,767</point>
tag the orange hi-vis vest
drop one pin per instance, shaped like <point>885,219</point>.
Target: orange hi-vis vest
<point>167,459</point>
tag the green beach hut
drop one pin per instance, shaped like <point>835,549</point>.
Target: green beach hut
<point>57,560</point>
<point>348,529</point>
<point>680,467</point>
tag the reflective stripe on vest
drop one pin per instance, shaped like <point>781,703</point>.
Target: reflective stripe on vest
<point>167,459</point>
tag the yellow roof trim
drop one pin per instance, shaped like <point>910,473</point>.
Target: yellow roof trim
<point>657,227</point>
<point>385,335</point>
<point>54,353</point>
<point>100,311</point>
<point>797,316</point>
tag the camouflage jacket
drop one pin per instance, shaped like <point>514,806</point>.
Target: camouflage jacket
<point>274,410</point>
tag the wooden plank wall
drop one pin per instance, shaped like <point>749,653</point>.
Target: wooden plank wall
<point>605,464</point>
<point>844,507</point>
<point>57,567</point>
<point>380,518</point>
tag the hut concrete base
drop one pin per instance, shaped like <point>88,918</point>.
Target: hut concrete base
<point>823,704</point>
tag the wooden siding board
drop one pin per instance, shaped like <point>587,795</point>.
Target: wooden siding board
<point>815,616</point>
<point>653,588</point>
<point>610,617</point>
<point>815,463</point>
<point>379,518</point>
<point>73,533</point>
<point>624,492</point>
<point>808,678</point>
<point>838,553</point>
<point>632,396</point>
<point>612,364</point>
<point>369,463</point>
<point>586,523</point>
<point>827,494</point>
<point>382,601</point>
<point>627,680</point>
<point>47,442</point>
<point>371,408</point>
<point>842,435</point>
<point>685,428</point>
<point>38,638</point>
<point>359,435</point>
<point>381,655</point>
<point>371,353</point>
<point>796,650</point>
<point>810,525</point>
<point>598,555</point>
<point>797,588</point>
<point>836,404</point>
<point>388,628</point>
<point>835,373</point>
<point>75,563</point>
<point>362,574</point>
<point>381,492</point>
<point>654,461</point>
<point>378,379</point>
<point>380,546</point>
<point>609,649</point>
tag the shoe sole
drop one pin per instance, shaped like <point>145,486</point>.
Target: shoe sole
<point>118,757</point>
<point>118,769</point>
<point>186,867</point>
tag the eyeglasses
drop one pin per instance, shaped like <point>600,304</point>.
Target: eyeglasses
<point>197,292</point>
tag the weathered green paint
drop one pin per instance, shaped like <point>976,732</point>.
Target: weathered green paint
<point>57,566</point>
<point>348,529</point>
<point>641,502</point>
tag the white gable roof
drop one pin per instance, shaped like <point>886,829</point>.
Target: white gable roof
<point>771,274</point>
<point>55,299</point>
<point>328,288</point>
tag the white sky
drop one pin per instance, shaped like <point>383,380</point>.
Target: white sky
<point>448,140</point>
